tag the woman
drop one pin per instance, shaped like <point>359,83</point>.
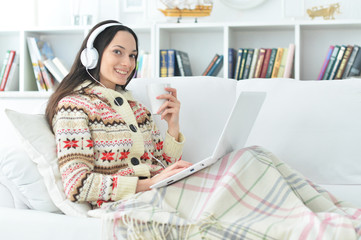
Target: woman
<point>108,145</point>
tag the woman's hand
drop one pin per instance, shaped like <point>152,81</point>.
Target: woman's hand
<point>144,185</point>
<point>170,111</point>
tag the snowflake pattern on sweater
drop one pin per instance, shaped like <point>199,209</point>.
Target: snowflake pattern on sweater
<point>103,148</point>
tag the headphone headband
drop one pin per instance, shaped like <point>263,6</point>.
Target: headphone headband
<point>89,56</point>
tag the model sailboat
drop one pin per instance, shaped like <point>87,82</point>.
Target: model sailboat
<point>187,8</point>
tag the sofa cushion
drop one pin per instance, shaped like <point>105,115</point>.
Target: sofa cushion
<point>314,126</point>
<point>39,143</point>
<point>19,175</point>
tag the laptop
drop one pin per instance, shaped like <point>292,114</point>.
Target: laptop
<point>234,135</point>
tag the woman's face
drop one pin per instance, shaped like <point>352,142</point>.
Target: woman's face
<point>118,60</point>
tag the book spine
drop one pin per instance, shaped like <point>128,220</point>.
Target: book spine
<point>179,63</point>
<point>238,63</point>
<point>232,56</point>
<point>271,63</point>
<point>13,79</point>
<point>337,62</point>
<point>325,62</point>
<point>356,66</point>
<point>248,63</point>
<point>216,67</point>
<point>331,63</point>
<point>266,60</point>
<point>344,61</point>
<point>171,63</point>
<point>260,60</point>
<point>243,63</point>
<point>210,65</point>
<point>277,64</point>
<point>254,63</point>
<point>3,67</point>
<point>163,63</point>
<point>38,77</point>
<point>281,70</point>
<point>289,61</point>
<point>61,67</point>
<point>351,60</point>
<point>7,69</point>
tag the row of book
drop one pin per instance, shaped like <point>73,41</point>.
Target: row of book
<point>9,74</point>
<point>342,61</point>
<point>246,63</point>
<point>215,66</point>
<point>48,69</point>
<point>144,65</point>
<point>174,63</point>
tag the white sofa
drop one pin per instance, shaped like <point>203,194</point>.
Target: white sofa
<point>314,126</point>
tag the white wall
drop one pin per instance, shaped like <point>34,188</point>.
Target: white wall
<point>25,13</point>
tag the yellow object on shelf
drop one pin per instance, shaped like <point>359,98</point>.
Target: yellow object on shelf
<point>187,9</point>
<point>326,13</point>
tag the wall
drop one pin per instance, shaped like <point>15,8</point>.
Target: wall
<point>59,12</point>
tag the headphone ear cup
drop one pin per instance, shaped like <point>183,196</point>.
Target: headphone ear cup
<point>89,58</point>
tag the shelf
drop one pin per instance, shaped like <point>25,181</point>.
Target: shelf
<point>200,40</point>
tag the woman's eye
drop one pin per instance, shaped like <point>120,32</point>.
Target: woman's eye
<point>117,51</point>
<point>133,56</point>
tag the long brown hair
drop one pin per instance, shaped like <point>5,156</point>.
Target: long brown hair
<point>78,74</point>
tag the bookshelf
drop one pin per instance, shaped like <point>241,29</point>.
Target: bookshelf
<point>200,40</point>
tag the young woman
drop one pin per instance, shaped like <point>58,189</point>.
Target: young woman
<point>108,145</point>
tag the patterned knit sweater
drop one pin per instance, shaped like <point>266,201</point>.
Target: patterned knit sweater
<point>104,146</point>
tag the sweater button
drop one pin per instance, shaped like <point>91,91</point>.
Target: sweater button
<point>134,161</point>
<point>118,101</point>
<point>133,128</point>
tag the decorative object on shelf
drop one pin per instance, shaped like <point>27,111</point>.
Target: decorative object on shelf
<point>187,8</point>
<point>133,5</point>
<point>243,4</point>
<point>84,12</point>
<point>325,12</point>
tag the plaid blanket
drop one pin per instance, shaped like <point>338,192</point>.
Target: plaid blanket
<point>249,194</point>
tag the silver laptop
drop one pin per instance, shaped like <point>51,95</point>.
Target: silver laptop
<point>234,135</point>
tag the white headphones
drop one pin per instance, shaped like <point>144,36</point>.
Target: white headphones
<point>89,56</point>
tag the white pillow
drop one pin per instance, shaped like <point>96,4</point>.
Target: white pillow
<point>21,177</point>
<point>39,143</point>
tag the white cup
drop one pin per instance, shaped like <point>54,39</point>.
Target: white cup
<point>154,90</point>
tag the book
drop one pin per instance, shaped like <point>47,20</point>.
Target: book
<point>265,64</point>
<point>10,59</point>
<point>248,63</point>
<point>344,61</point>
<point>356,66</point>
<point>281,69</point>
<point>216,67</point>
<point>237,67</point>
<point>61,67</point>
<point>290,61</point>
<point>354,53</point>
<point>232,58</point>
<point>271,63</point>
<point>163,63</point>
<point>171,63</point>
<point>13,79</point>
<point>331,62</point>
<point>210,65</point>
<point>254,63</point>
<point>259,64</point>
<point>183,63</point>
<point>337,63</point>
<point>3,66</point>
<point>325,62</point>
<point>243,63</point>
<point>277,63</point>
<point>36,68</point>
